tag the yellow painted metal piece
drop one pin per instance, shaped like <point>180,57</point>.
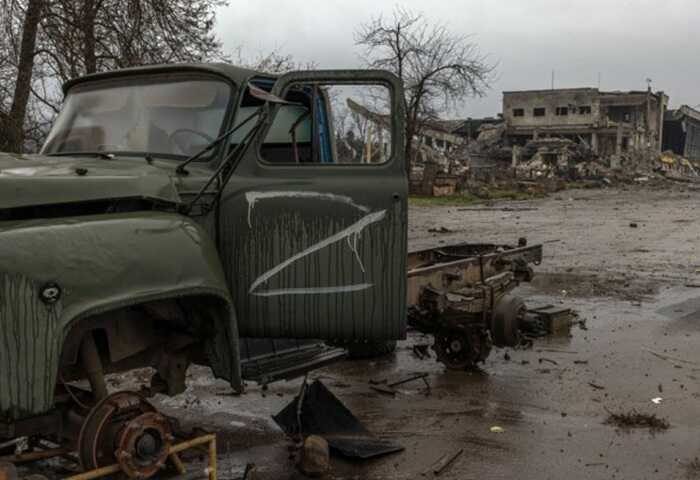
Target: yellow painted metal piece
<point>177,463</point>
<point>97,473</point>
<point>209,439</point>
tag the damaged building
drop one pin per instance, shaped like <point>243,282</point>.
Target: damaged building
<point>436,138</point>
<point>570,134</point>
<point>610,123</point>
<point>681,133</point>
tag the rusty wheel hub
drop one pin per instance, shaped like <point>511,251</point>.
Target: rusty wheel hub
<point>459,347</point>
<point>143,445</point>
<point>124,428</point>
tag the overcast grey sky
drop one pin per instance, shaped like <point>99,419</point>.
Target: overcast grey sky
<point>627,41</point>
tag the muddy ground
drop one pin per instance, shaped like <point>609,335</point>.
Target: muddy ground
<point>636,286</point>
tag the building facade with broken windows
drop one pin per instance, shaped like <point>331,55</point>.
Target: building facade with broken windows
<point>682,132</point>
<point>610,123</point>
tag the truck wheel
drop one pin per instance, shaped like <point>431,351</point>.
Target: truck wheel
<point>370,349</point>
<point>506,320</point>
<point>461,348</point>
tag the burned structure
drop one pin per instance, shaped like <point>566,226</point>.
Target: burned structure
<point>610,123</point>
<point>681,134</point>
<point>436,138</point>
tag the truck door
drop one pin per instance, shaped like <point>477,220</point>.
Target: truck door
<point>313,224</point>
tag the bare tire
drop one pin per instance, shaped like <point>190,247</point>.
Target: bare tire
<point>506,320</point>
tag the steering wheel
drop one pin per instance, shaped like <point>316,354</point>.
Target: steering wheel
<point>177,139</point>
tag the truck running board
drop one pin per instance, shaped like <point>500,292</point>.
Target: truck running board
<point>290,363</point>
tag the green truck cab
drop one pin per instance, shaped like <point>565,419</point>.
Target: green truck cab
<point>174,210</point>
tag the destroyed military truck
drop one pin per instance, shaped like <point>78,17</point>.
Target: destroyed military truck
<point>179,214</point>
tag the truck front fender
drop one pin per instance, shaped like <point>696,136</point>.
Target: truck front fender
<point>55,272</point>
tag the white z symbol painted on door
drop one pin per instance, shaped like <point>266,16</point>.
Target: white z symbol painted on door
<point>351,234</point>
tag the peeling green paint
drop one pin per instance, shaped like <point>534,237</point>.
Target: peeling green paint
<point>30,342</point>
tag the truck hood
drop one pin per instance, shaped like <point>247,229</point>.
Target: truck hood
<point>29,180</point>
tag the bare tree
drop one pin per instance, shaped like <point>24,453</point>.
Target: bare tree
<point>46,42</point>
<point>22,57</point>
<point>87,36</point>
<point>437,68</point>
<point>275,61</point>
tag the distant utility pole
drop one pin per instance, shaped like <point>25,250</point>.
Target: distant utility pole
<point>598,80</point>
<point>552,79</point>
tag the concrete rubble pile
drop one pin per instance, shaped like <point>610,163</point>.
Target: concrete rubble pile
<point>546,139</point>
<point>566,159</point>
<point>676,167</point>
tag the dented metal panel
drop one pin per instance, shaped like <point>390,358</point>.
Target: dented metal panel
<point>96,264</point>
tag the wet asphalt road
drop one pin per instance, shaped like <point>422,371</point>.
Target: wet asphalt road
<point>551,401</point>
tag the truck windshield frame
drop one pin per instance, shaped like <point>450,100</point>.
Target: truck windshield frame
<point>164,116</point>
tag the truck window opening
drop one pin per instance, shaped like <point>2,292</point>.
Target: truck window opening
<point>171,118</point>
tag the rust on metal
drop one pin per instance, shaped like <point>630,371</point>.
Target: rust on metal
<point>459,294</point>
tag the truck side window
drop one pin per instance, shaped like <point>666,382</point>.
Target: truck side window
<point>331,124</point>
<point>290,136</point>
<point>361,126</point>
<point>289,139</point>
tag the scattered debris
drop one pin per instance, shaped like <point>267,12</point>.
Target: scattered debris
<point>384,390</point>
<point>496,429</point>
<point>499,209</point>
<point>634,225</point>
<point>418,376</point>
<point>548,360</point>
<point>315,458</point>
<point>8,471</point>
<point>251,472</point>
<point>556,350</point>
<point>656,400</point>
<point>384,386</point>
<point>422,351</point>
<point>316,411</point>
<point>635,419</point>
<point>548,320</point>
<point>670,358</point>
<point>442,463</point>
<point>596,386</point>
<point>693,469</point>
<point>440,230</point>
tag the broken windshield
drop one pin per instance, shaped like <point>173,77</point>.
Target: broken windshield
<point>175,118</point>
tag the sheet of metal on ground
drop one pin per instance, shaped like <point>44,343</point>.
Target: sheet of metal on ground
<point>321,413</point>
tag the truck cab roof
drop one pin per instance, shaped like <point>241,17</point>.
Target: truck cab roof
<point>237,75</point>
